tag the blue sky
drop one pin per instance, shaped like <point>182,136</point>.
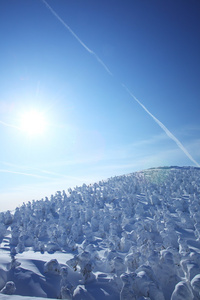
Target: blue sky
<point>95,129</point>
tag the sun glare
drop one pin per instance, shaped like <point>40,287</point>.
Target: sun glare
<point>33,123</point>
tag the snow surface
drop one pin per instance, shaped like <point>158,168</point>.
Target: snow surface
<point>135,236</point>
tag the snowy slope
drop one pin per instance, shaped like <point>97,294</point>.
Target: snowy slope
<point>135,236</point>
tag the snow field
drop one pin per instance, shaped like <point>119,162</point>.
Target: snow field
<point>135,236</point>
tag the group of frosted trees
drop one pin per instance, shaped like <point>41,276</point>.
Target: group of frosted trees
<point>138,218</point>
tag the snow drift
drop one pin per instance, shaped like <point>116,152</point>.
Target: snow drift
<point>135,236</point>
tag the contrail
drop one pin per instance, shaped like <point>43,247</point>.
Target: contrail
<point>58,175</point>
<point>9,125</point>
<point>170,135</point>
<point>162,126</point>
<point>77,38</point>
<point>24,174</point>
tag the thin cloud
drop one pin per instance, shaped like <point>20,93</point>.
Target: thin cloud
<point>23,173</point>
<point>134,163</point>
<point>77,38</point>
<point>9,125</point>
<point>29,172</point>
<point>73,162</point>
<point>163,127</point>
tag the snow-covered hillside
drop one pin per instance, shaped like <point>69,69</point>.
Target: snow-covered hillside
<point>135,236</point>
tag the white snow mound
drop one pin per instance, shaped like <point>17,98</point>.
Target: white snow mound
<point>132,237</point>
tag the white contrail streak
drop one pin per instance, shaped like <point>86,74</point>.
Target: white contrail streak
<point>76,37</point>
<point>170,135</point>
<point>58,175</point>
<point>24,174</point>
<point>9,125</point>
<point>162,126</point>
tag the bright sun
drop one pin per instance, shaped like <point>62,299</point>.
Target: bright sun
<point>33,123</point>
